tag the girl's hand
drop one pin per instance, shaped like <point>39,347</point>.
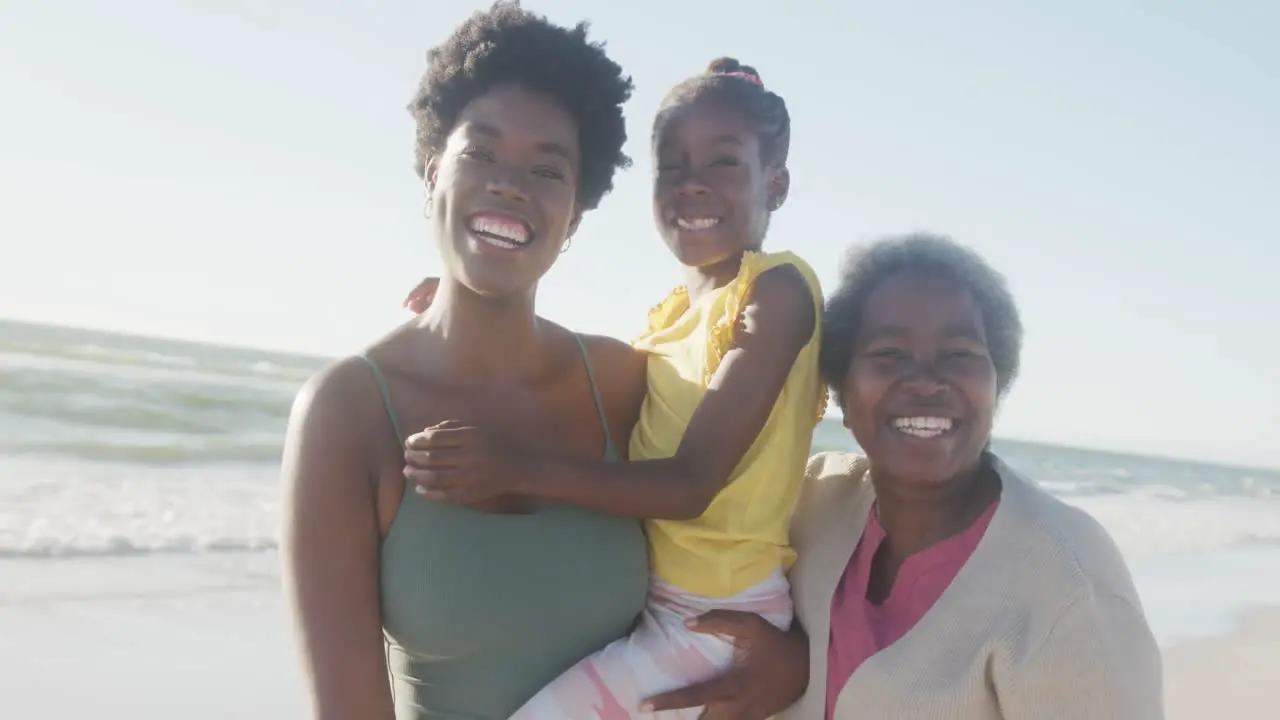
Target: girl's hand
<point>770,670</point>
<point>453,463</point>
<point>419,298</point>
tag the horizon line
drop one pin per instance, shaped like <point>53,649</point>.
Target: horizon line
<point>829,415</point>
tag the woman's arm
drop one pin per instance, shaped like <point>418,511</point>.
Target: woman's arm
<point>330,547</point>
<point>462,464</point>
<point>1100,660</point>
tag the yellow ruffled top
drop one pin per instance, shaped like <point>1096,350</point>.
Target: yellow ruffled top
<point>720,332</point>
<point>742,537</point>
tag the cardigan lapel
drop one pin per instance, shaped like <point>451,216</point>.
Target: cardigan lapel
<point>866,693</point>
<point>827,534</point>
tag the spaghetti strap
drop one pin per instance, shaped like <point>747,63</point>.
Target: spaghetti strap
<point>610,450</point>
<point>386,395</point>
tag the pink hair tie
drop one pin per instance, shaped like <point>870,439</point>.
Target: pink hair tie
<point>753,79</point>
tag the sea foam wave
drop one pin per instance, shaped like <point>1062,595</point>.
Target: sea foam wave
<point>1144,526</point>
<point>181,449</point>
<point>114,445</point>
<point>237,509</point>
<point>62,508</point>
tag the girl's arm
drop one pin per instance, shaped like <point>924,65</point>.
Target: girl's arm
<point>330,551</point>
<point>777,322</point>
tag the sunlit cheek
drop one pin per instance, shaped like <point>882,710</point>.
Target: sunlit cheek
<point>449,178</point>
<point>864,387</point>
<point>979,378</point>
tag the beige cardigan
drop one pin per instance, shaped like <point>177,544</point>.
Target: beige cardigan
<point>1042,622</point>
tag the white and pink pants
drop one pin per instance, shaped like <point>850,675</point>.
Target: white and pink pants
<point>661,655</point>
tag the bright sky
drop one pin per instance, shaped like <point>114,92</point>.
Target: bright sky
<point>240,171</point>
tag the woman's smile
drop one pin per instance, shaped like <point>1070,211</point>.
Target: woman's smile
<point>499,230</point>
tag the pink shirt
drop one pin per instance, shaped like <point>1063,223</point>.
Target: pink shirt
<point>860,629</point>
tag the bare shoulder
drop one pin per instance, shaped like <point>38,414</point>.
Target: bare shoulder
<point>337,381</point>
<point>394,353</point>
<point>618,367</point>
<point>796,276</point>
<point>606,350</point>
<point>335,389</point>
<point>784,287</point>
<point>328,418</point>
<point>779,314</point>
<point>620,377</point>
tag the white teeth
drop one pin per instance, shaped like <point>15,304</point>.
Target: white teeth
<point>924,426</point>
<point>499,242</point>
<point>697,223</point>
<point>499,230</point>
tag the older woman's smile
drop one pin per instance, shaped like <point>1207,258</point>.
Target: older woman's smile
<point>924,426</point>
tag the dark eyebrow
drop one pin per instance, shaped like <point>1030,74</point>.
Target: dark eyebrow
<point>548,148</point>
<point>883,332</point>
<point>967,332</point>
<point>667,144</point>
<point>485,129</point>
<point>887,332</point>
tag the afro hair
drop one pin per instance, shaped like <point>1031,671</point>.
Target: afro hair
<point>509,45</point>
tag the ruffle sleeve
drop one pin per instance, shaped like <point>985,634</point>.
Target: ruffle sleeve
<point>720,333</point>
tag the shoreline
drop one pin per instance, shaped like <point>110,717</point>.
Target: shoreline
<point>1232,675</point>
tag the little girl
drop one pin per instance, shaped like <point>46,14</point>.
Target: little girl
<point>718,454</point>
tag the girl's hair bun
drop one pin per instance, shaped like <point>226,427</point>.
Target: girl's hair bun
<point>728,65</point>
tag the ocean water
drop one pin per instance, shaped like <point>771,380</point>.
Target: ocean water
<point>122,446</point>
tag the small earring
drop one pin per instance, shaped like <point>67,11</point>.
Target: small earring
<point>426,201</point>
<point>565,247</point>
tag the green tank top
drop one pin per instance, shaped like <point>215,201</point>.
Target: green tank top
<point>481,611</point>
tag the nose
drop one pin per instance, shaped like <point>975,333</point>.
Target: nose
<point>689,183</point>
<point>692,188</point>
<point>507,189</point>
<point>923,383</point>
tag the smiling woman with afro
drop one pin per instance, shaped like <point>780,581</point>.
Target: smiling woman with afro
<point>408,608</point>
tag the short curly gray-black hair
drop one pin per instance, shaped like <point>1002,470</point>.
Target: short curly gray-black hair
<point>868,265</point>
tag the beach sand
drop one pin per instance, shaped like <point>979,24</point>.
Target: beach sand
<point>208,639</point>
<point>1233,676</point>
<point>146,638</point>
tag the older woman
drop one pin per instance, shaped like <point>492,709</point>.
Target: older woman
<point>933,580</point>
